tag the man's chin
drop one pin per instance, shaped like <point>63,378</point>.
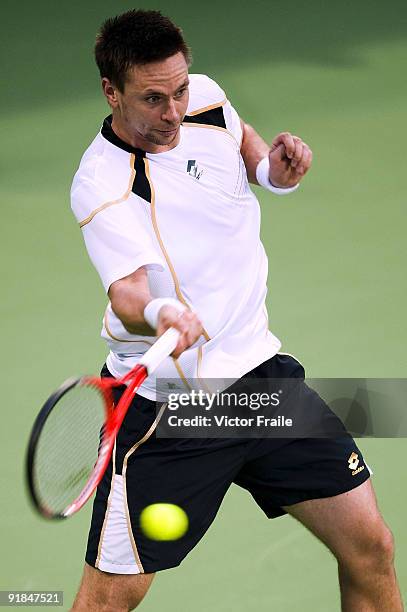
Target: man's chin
<point>162,138</point>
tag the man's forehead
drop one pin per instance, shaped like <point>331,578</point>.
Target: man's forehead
<point>163,75</point>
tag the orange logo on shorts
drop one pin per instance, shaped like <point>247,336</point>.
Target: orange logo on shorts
<point>353,462</point>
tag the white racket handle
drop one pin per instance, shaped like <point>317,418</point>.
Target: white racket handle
<point>161,349</point>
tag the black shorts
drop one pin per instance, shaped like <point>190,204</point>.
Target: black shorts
<point>196,474</point>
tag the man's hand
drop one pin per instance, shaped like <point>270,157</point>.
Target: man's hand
<point>290,159</point>
<point>186,322</point>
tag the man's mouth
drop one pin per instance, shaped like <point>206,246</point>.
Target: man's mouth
<point>169,132</point>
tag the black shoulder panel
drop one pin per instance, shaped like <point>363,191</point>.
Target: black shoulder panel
<point>214,116</point>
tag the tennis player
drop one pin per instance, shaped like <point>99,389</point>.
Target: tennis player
<point>171,225</point>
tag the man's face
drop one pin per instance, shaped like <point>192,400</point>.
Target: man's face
<point>154,101</point>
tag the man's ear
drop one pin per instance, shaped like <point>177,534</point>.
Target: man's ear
<point>110,93</point>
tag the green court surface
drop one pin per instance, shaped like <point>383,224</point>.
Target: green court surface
<point>335,75</point>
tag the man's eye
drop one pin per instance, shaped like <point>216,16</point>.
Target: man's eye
<point>181,92</point>
<point>152,99</point>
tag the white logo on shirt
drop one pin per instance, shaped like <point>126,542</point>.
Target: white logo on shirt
<point>193,169</point>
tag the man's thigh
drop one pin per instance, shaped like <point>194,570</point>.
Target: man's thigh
<point>348,524</point>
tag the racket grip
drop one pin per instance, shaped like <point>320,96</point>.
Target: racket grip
<point>161,349</point>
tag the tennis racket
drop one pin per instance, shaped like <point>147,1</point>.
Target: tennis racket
<point>73,436</point>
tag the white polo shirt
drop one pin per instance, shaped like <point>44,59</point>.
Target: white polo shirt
<point>189,216</point>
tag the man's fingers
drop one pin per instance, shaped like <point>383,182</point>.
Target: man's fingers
<point>186,322</point>
<point>305,162</point>
<point>279,151</point>
<point>294,147</point>
<point>290,158</point>
<point>287,140</point>
<point>298,150</point>
<point>187,339</point>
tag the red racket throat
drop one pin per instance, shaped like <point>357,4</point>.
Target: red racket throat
<point>112,426</point>
<point>73,436</point>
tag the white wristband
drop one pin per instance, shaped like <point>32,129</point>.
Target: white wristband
<point>153,308</point>
<point>262,176</point>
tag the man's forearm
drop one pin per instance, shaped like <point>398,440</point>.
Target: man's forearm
<point>140,313</point>
<point>129,308</point>
<point>253,149</point>
<point>129,297</point>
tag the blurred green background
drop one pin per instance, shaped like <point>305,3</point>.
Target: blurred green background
<point>333,73</point>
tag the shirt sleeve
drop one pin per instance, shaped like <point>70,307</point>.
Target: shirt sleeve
<point>205,92</point>
<point>117,237</point>
<point>232,121</point>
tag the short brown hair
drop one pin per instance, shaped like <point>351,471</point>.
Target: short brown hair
<point>136,37</point>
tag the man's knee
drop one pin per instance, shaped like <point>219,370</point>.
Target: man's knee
<point>372,550</point>
<point>126,593</point>
<point>103,592</point>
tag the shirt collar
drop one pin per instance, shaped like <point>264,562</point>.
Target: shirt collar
<point>108,133</point>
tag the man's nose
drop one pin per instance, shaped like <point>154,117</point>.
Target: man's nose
<point>171,114</point>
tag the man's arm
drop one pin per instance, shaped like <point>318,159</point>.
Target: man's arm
<point>290,158</point>
<point>129,297</point>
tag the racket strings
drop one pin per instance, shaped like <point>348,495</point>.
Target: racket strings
<point>68,446</point>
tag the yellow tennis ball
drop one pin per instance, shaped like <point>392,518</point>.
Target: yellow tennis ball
<point>163,522</point>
